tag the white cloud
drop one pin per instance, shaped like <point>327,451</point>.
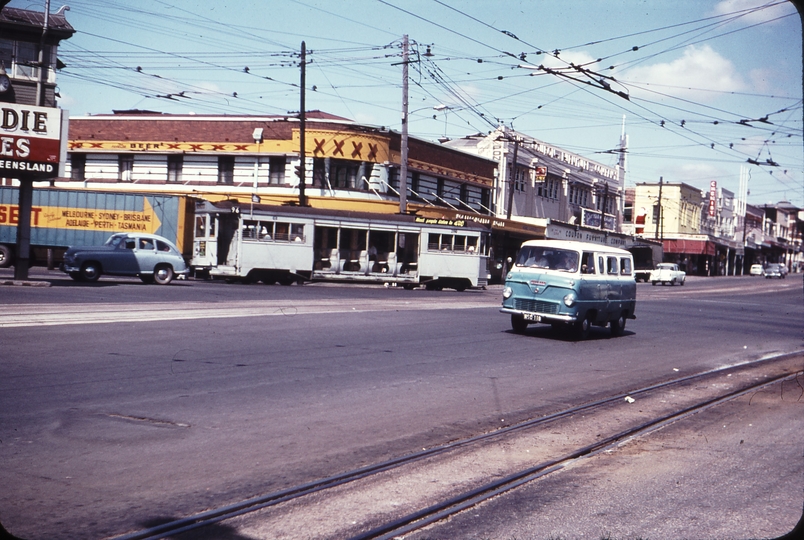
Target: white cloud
<point>698,75</point>
<point>695,173</point>
<point>752,12</point>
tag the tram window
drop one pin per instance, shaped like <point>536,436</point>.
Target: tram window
<point>282,232</point>
<point>446,242</point>
<point>297,232</point>
<point>460,243</point>
<point>266,231</point>
<point>250,229</point>
<point>433,241</point>
<point>212,222</point>
<point>471,244</point>
<point>200,226</point>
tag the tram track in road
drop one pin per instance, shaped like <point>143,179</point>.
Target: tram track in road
<point>395,497</point>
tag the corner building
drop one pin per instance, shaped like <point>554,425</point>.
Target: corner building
<point>256,158</point>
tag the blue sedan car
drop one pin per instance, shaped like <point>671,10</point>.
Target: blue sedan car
<point>152,258</point>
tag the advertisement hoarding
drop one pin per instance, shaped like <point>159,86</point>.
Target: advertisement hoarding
<point>30,140</point>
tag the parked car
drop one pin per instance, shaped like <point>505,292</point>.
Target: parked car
<point>667,273</point>
<point>776,271</point>
<point>756,270</point>
<point>154,259</point>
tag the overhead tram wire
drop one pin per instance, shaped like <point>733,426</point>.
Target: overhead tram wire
<point>689,43</point>
<point>626,36</point>
<point>720,20</point>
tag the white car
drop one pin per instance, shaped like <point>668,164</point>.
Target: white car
<point>756,270</point>
<point>667,273</point>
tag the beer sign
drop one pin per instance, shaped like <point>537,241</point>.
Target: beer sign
<point>30,139</point>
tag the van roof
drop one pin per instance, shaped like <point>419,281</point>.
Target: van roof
<point>573,244</point>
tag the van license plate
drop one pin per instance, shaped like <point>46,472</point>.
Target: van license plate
<point>532,317</point>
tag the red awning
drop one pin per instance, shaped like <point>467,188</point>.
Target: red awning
<point>690,247</point>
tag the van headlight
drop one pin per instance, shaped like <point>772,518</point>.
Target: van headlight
<point>569,299</point>
<point>507,292</point>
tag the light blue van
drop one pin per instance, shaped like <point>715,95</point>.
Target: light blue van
<point>570,284</point>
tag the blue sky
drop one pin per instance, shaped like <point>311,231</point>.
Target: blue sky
<point>709,84</point>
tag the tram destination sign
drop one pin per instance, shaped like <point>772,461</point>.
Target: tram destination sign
<point>30,141</point>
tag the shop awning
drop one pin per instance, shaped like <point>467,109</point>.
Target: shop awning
<point>689,247</point>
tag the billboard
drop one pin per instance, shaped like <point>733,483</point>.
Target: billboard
<point>30,139</point>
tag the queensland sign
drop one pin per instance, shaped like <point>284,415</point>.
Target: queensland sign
<point>29,141</point>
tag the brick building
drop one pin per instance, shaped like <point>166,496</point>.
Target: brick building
<point>347,166</point>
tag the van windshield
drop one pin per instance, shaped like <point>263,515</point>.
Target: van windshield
<point>549,258</point>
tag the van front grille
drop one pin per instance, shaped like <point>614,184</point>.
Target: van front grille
<point>536,306</point>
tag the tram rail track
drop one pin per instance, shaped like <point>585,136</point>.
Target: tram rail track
<point>707,389</point>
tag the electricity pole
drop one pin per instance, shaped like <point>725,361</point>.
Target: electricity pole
<point>403,165</point>
<point>514,170</point>
<point>302,126</point>
<point>659,221</point>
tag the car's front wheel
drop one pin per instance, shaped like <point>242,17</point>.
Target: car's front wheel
<point>519,324</point>
<point>581,329</point>
<point>163,274</point>
<point>91,271</point>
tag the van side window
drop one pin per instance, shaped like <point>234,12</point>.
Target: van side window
<point>587,263</point>
<point>612,266</point>
<point>601,267</point>
<point>625,266</point>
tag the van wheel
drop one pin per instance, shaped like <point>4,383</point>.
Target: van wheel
<point>519,324</point>
<point>618,326</point>
<point>91,271</point>
<point>163,274</point>
<point>581,329</point>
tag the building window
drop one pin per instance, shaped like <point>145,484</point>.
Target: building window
<point>125,167</point>
<point>440,188</point>
<point>6,53</point>
<point>465,194</point>
<point>78,167</point>
<point>276,166</point>
<point>174,166</point>
<point>20,59</point>
<point>320,172</point>
<point>415,180</point>
<point>226,170</point>
<point>485,195</point>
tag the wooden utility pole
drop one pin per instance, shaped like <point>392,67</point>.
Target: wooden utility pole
<point>403,165</point>
<point>302,127</point>
<point>659,221</point>
<point>514,170</point>
<point>605,204</point>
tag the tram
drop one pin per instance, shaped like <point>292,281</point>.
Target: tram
<point>283,244</point>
